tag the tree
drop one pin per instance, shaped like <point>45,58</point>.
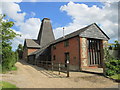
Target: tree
<point>20,51</point>
<point>6,35</point>
<point>116,45</point>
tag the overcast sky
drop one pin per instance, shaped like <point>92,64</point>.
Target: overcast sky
<point>70,15</point>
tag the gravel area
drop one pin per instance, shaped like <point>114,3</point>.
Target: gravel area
<point>31,76</point>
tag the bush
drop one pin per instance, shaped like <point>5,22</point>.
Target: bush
<point>14,68</point>
<point>9,60</point>
<point>112,67</point>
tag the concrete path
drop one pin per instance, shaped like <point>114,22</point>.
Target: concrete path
<point>30,76</point>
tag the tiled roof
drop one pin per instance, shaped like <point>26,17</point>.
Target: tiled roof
<point>80,33</point>
<point>31,43</point>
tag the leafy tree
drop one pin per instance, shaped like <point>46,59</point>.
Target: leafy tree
<point>116,45</point>
<point>6,35</point>
<point>20,51</point>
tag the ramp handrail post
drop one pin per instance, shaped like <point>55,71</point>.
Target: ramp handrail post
<point>59,68</point>
<point>52,66</point>
<point>67,68</point>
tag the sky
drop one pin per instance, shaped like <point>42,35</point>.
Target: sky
<point>71,15</point>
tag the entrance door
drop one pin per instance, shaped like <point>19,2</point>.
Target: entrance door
<point>94,56</point>
<point>67,57</point>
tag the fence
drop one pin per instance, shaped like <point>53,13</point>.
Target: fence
<point>60,67</point>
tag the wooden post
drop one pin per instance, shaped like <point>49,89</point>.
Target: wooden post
<point>41,63</point>
<point>67,68</point>
<point>46,64</point>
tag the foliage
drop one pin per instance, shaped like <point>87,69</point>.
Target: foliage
<point>112,67</point>
<point>6,32</point>
<point>107,56</point>
<point>7,85</point>
<point>9,57</point>
<point>114,46</point>
<point>116,76</point>
<point>14,68</point>
<point>20,51</point>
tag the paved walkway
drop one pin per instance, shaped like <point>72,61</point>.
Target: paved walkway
<point>30,76</point>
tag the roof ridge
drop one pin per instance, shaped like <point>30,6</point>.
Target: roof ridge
<point>76,31</point>
<point>81,29</point>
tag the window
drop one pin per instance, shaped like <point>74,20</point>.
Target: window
<point>54,46</point>
<point>66,43</point>
<point>54,57</point>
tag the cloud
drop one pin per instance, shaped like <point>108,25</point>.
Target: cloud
<point>13,11</point>
<point>33,14</point>
<point>18,1</point>
<point>82,15</point>
<point>27,28</point>
<point>30,27</point>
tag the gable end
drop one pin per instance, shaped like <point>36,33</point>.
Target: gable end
<point>95,32</point>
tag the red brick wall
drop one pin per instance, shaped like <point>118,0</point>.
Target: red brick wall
<point>73,50</point>
<point>31,50</point>
<point>27,52</point>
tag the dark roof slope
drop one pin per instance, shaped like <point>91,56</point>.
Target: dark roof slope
<point>71,34</point>
<point>40,50</point>
<point>45,35</point>
<point>94,32</point>
<point>31,43</point>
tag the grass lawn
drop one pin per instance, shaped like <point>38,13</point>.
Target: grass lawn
<point>4,85</point>
<point>117,76</point>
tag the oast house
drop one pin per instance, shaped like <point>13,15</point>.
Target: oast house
<point>82,48</point>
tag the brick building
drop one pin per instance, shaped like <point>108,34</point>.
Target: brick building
<point>82,48</point>
<point>45,36</point>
